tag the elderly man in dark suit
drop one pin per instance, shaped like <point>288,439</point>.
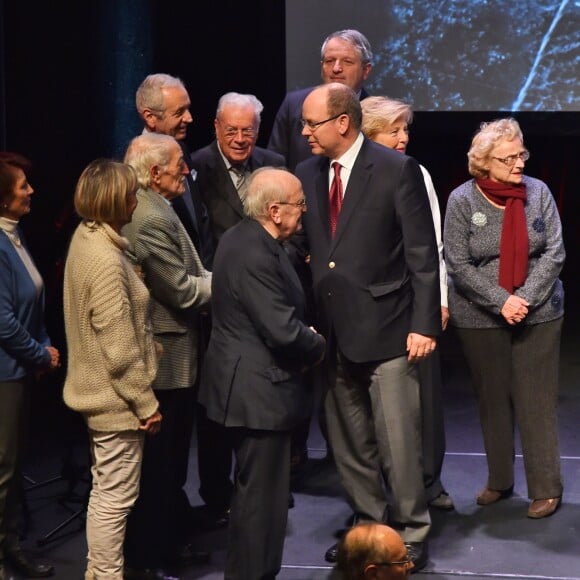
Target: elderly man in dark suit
<point>224,165</point>
<point>223,168</point>
<point>376,280</point>
<point>345,57</point>
<point>252,377</point>
<point>180,288</point>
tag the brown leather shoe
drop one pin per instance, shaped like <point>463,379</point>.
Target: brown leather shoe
<point>542,508</point>
<point>489,496</point>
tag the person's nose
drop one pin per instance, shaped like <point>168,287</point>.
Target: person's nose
<point>187,117</point>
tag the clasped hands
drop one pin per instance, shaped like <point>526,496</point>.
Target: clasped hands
<point>515,309</point>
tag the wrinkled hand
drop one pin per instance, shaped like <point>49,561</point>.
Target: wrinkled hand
<point>152,425</point>
<point>419,346</point>
<point>444,317</point>
<point>515,309</point>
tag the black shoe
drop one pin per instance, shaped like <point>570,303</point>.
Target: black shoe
<point>291,502</point>
<point>147,574</point>
<point>212,519</point>
<point>331,555</point>
<point>189,555</point>
<point>21,564</point>
<point>417,551</point>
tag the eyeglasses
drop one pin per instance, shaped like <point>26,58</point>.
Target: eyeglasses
<point>510,160</point>
<point>230,132</point>
<point>301,204</point>
<point>406,561</point>
<point>313,125</point>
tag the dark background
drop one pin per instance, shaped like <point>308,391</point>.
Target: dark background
<point>69,71</point>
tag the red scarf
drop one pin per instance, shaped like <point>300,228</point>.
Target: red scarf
<point>514,245</point>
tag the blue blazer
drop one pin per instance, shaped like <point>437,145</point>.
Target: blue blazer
<point>378,278</point>
<point>23,336</point>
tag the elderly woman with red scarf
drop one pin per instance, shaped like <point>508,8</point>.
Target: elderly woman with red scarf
<point>504,253</point>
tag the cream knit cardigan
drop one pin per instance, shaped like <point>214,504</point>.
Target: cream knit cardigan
<point>111,354</point>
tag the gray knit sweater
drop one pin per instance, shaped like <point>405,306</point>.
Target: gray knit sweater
<point>111,354</point>
<point>472,234</point>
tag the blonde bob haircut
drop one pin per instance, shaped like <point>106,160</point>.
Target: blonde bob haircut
<point>267,185</point>
<point>486,139</point>
<point>102,191</point>
<point>379,113</point>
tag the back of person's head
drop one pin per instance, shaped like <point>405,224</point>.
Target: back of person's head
<point>9,164</point>
<point>149,95</point>
<point>240,101</point>
<point>380,112</point>
<point>367,545</point>
<point>342,99</point>
<point>148,150</point>
<point>267,185</point>
<point>102,191</point>
<point>355,38</point>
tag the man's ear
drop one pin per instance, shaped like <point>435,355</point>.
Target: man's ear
<point>155,173</point>
<point>274,213</point>
<point>150,119</point>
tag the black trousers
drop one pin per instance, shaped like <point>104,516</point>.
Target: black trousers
<point>259,511</point>
<point>14,408</point>
<point>214,462</point>
<point>158,523</point>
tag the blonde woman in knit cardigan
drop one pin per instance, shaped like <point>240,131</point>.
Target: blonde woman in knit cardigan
<point>112,358</point>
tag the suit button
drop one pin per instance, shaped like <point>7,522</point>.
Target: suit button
<point>331,265</point>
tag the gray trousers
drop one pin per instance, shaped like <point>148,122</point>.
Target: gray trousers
<point>515,373</point>
<point>373,414</point>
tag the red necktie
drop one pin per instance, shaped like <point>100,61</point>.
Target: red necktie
<point>335,198</point>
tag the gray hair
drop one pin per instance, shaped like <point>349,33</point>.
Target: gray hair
<point>148,150</point>
<point>485,140</point>
<point>380,112</point>
<point>149,95</point>
<point>266,185</point>
<point>241,101</point>
<point>358,41</point>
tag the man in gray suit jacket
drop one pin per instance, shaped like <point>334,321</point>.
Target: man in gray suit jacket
<point>252,377</point>
<point>180,287</point>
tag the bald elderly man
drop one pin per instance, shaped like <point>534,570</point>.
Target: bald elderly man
<point>373,551</point>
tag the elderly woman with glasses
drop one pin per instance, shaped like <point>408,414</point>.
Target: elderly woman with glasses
<point>504,253</point>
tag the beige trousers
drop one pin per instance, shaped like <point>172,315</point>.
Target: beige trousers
<point>116,469</point>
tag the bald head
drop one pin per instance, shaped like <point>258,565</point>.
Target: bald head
<point>276,200</point>
<point>365,546</point>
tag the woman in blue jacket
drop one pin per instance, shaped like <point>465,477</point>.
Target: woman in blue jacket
<point>24,349</point>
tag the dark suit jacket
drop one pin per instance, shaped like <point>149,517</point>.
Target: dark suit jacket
<point>218,192</point>
<point>286,137</point>
<point>378,279</point>
<point>196,222</point>
<point>252,376</point>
